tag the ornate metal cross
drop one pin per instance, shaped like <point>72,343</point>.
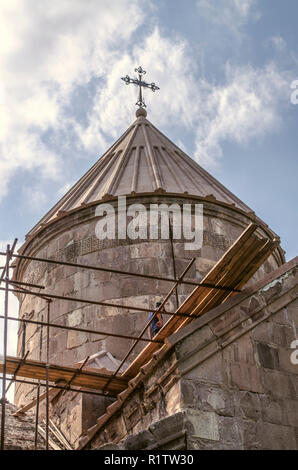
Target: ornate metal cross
<point>140,83</point>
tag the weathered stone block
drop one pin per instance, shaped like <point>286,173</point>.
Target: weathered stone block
<point>221,402</point>
<point>204,444</point>
<point>292,313</point>
<point>294,383</point>
<point>282,316</point>
<point>268,356</point>
<point>195,341</point>
<point>246,377</point>
<point>76,338</point>
<point>207,398</point>
<point>204,424</point>
<point>139,441</point>
<point>64,287</point>
<point>204,265</point>
<point>109,446</point>
<point>226,321</point>
<point>248,405</point>
<point>81,280</point>
<point>212,253</point>
<point>281,335</point>
<point>279,303</point>
<point>263,332</point>
<point>210,369</point>
<point>278,384</point>
<point>292,412</point>
<point>165,427</point>
<point>188,391</point>
<point>276,437</point>
<point>272,290</point>
<point>272,410</point>
<point>230,432</point>
<point>173,399</point>
<point>75,318</point>
<point>244,351</point>
<point>248,430</point>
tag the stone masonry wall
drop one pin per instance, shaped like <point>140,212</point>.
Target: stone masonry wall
<point>227,383</point>
<point>20,431</point>
<point>73,239</point>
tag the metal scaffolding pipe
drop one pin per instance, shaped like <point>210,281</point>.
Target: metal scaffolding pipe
<point>38,393</point>
<point>61,387</point>
<point>126,273</point>
<point>93,302</point>
<point>47,375</point>
<point>5,269</point>
<point>5,272</point>
<point>29,284</point>
<point>23,359</point>
<point>83,330</point>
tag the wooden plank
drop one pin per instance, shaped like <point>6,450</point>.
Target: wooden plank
<point>86,379</point>
<point>51,442</point>
<point>226,278</point>
<point>266,252</point>
<point>225,271</point>
<point>59,435</point>
<point>229,278</point>
<point>224,265</point>
<point>52,394</point>
<point>236,266</point>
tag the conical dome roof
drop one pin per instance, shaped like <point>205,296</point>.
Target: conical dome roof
<point>142,160</point>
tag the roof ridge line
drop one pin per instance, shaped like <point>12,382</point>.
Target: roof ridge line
<point>119,168</point>
<point>152,159</point>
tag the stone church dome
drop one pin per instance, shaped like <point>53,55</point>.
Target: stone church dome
<point>142,161</point>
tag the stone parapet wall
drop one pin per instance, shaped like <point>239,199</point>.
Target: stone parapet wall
<point>20,431</point>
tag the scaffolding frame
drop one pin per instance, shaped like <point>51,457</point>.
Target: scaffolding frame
<point>22,288</point>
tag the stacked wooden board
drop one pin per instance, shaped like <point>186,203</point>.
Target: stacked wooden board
<point>233,270</point>
<point>84,378</point>
<point>53,392</point>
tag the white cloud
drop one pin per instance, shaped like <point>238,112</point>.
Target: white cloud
<point>168,63</point>
<point>47,49</point>
<point>34,198</point>
<point>277,42</point>
<point>231,14</point>
<point>244,108</point>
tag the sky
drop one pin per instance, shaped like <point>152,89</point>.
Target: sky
<point>228,77</point>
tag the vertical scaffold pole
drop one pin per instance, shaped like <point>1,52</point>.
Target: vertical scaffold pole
<point>47,375</point>
<point>38,392</point>
<point>174,263</point>
<point>3,402</point>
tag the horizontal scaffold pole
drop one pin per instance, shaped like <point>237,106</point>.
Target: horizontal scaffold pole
<point>126,273</point>
<point>83,330</point>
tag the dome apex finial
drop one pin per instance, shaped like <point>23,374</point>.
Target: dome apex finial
<point>141,84</point>
<point>141,112</point>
